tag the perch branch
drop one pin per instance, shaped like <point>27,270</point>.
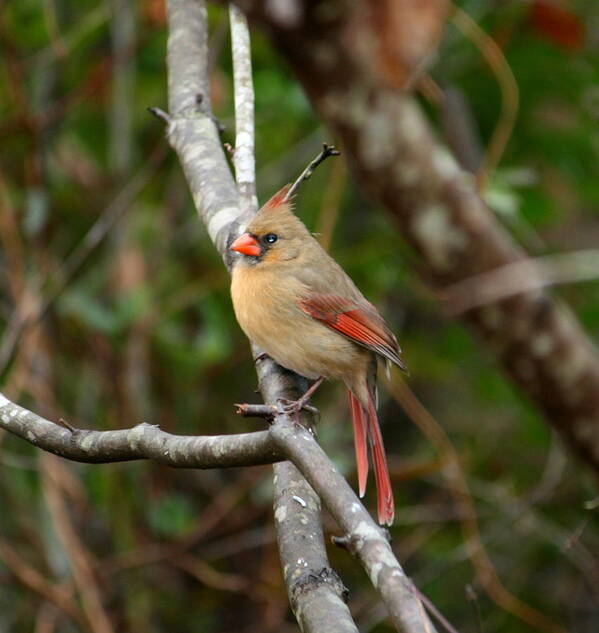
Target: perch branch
<point>143,441</point>
<point>192,132</point>
<point>364,538</point>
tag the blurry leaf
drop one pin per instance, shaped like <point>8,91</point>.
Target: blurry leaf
<point>557,24</point>
<point>87,309</point>
<point>172,515</point>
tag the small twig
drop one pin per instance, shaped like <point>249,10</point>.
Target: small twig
<point>160,114</point>
<point>472,598</point>
<point>267,411</point>
<point>327,150</point>
<point>432,609</point>
<point>66,425</point>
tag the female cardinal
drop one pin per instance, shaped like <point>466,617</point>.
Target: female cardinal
<point>293,300</point>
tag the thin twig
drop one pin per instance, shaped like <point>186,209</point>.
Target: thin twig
<point>32,579</point>
<point>79,558</point>
<point>327,150</point>
<point>508,86</point>
<point>243,157</point>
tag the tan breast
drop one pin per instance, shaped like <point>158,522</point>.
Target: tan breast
<point>268,312</point>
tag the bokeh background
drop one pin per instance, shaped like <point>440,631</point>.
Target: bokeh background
<point>114,308</point>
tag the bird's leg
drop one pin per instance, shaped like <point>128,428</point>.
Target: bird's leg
<point>301,402</point>
<point>294,408</point>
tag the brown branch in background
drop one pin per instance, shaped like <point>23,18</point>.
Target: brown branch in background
<point>47,618</point>
<point>458,487</point>
<point>212,516</point>
<point>78,555</point>
<point>211,577</point>
<point>407,34</point>
<point>31,578</point>
<point>519,277</point>
<point>507,85</point>
<point>25,317</point>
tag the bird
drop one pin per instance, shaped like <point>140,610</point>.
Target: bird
<point>295,302</point>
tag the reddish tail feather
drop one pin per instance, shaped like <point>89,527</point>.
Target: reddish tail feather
<point>366,424</point>
<point>360,422</point>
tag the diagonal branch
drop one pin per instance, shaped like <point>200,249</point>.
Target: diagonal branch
<point>364,538</point>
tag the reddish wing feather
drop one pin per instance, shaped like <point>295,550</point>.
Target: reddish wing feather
<point>360,322</point>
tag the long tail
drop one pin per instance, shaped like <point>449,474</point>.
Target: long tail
<point>366,425</point>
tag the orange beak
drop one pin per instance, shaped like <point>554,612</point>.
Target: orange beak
<point>247,245</point>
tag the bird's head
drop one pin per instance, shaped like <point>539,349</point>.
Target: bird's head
<point>275,234</point>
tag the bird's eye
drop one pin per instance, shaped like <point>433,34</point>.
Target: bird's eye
<point>271,238</point>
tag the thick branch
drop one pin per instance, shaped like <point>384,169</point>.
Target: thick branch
<point>143,441</point>
<point>317,605</point>
<point>316,593</point>
<point>366,539</point>
<point>192,131</point>
<point>439,210</point>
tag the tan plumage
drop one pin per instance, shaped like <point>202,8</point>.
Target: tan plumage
<point>294,301</point>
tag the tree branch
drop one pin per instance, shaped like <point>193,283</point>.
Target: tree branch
<point>143,441</point>
<point>193,135</point>
<point>243,157</point>
<point>316,593</point>
<point>365,538</point>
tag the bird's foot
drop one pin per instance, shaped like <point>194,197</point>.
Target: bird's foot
<point>293,408</point>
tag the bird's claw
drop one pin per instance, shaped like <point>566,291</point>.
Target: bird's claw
<point>292,408</point>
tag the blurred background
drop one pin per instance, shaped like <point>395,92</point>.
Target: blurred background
<point>115,308</point>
